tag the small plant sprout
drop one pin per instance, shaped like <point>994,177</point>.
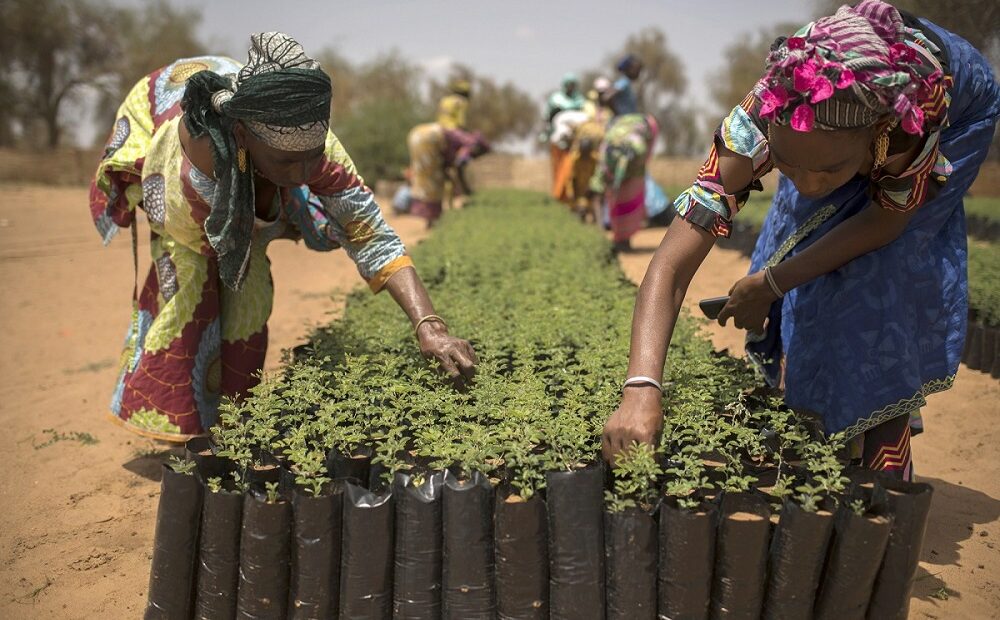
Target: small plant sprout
<point>214,484</point>
<point>857,506</point>
<point>636,472</point>
<point>271,492</point>
<point>182,466</point>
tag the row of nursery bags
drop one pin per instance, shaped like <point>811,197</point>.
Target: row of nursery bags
<point>440,547</point>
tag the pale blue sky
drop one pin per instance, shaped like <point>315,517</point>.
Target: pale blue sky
<point>529,42</point>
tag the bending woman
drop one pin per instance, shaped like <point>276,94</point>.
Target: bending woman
<point>224,159</point>
<point>878,124</point>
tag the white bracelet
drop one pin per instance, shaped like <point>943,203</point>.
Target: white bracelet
<point>642,380</point>
<point>770,282</point>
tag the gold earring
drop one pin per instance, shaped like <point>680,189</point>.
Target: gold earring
<point>241,159</point>
<point>881,149</point>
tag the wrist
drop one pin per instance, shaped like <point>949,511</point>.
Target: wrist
<point>769,286</point>
<point>430,328</point>
<point>642,394</point>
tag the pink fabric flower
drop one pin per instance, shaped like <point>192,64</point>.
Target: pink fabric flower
<point>804,75</point>
<point>803,117</point>
<point>846,79</point>
<point>822,88</point>
<point>773,99</point>
<point>911,116</point>
<point>901,52</point>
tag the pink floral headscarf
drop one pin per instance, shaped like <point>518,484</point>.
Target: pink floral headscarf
<point>847,71</point>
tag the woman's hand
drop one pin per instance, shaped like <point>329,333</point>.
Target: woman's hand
<point>639,419</point>
<point>454,354</point>
<point>749,303</point>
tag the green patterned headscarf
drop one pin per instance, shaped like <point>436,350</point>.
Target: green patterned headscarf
<point>283,98</point>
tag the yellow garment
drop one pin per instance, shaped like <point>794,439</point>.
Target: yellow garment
<point>427,165</point>
<point>572,177</point>
<point>452,111</point>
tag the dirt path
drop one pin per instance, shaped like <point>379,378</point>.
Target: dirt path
<point>80,515</point>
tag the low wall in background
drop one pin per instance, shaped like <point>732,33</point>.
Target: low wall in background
<point>76,167</point>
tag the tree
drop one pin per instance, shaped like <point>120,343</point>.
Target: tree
<point>375,115</point>
<point>499,111</point>
<point>343,77</point>
<point>147,39</point>
<point>682,130</point>
<point>50,49</point>
<point>744,65</point>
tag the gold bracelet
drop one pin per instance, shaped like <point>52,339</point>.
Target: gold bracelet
<point>430,318</point>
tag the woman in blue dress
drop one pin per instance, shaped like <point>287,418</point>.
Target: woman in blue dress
<point>857,296</point>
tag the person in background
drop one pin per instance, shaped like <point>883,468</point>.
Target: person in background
<point>620,178</point>
<point>224,159</point>
<point>439,155</point>
<point>561,140</point>
<point>567,99</point>
<point>593,106</point>
<point>580,134</point>
<point>453,107</point>
<point>621,97</point>
<point>857,298</point>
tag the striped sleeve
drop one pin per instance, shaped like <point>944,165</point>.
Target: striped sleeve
<point>706,203</point>
<point>355,219</point>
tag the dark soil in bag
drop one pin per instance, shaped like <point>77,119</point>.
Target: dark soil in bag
<point>219,555</point>
<point>264,558</point>
<point>175,546</point>
<point>467,534</point>
<point>687,559</point>
<point>630,539</point>
<point>366,554</point>
<point>522,558</point>
<point>201,450</point>
<point>575,502</point>
<point>856,549</point>
<point>315,580</point>
<point>909,503</point>
<point>417,569</point>
<point>266,470</point>
<point>741,556</point>
<point>349,467</point>
<point>798,553</point>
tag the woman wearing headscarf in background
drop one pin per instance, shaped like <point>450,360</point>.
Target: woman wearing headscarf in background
<point>454,107</point>
<point>620,179</point>
<point>219,157</point>
<point>438,155</point>
<point>621,97</point>
<point>566,103</point>
<point>579,133</point>
<point>878,123</point>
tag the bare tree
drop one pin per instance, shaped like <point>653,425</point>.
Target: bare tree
<point>50,50</point>
<point>147,39</point>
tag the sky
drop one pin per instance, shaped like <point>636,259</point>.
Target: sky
<point>529,42</point>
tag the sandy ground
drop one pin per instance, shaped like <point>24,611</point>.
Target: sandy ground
<point>81,514</point>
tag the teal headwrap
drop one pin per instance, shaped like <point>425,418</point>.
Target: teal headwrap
<point>284,99</point>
